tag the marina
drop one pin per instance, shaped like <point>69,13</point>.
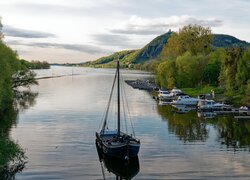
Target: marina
<point>184,103</point>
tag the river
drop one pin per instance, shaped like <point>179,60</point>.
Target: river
<point>57,132</point>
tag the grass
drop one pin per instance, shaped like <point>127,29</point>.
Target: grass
<point>236,99</point>
<point>201,90</point>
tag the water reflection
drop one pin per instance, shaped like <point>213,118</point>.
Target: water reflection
<point>206,114</point>
<point>183,108</point>
<point>187,127</point>
<point>192,126</point>
<point>233,134</point>
<point>13,159</point>
<point>122,169</point>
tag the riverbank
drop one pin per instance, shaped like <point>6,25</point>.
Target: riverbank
<point>236,99</point>
<point>216,92</point>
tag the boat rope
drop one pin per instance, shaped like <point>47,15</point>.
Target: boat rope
<point>124,112</point>
<point>108,106</point>
<point>126,103</point>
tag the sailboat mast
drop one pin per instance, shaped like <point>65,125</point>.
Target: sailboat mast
<point>118,94</point>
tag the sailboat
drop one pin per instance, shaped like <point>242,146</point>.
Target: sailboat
<point>114,142</point>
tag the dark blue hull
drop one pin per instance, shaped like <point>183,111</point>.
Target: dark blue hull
<point>128,148</point>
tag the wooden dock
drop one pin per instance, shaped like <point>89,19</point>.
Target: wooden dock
<point>242,117</point>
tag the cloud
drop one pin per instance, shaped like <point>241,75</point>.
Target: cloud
<point>24,33</point>
<point>141,26</point>
<point>113,40</point>
<point>75,47</point>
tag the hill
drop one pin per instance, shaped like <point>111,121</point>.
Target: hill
<point>153,49</point>
<point>223,40</point>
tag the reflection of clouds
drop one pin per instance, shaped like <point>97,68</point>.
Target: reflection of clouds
<point>191,162</point>
<point>58,133</point>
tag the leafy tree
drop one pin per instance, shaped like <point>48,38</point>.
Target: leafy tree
<point>193,38</point>
<point>229,69</point>
<point>166,74</point>
<point>10,65</point>
<point>189,69</point>
<point>1,26</point>
<point>211,71</point>
<point>243,70</point>
<point>23,78</point>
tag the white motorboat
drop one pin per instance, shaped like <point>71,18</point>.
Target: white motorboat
<point>205,104</point>
<point>173,95</point>
<point>162,94</point>
<point>185,100</point>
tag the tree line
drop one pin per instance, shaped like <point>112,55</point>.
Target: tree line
<point>35,64</point>
<point>13,73</point>
<point>188,60</point>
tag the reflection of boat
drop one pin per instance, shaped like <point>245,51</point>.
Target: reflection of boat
<point>205,104</point>
<point>183,108</point>
<point>163,103</point>
<point>185,100</point>
<point>114,142</point>
<point>121,168</point>
<point>206,115</point>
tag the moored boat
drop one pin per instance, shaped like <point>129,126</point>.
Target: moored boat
<point>162,94</point>
<point>115,143</point>
<point>185,100</point>
<point>205,104</point>
<point>172,95</point>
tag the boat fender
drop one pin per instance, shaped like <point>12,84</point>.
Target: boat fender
<point>126,158</point>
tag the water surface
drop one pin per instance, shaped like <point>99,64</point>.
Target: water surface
<point>58,133</point>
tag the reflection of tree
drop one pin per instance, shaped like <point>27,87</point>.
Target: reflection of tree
<point>12,157</point>
<point>188,127</point>
<point>232,133</point>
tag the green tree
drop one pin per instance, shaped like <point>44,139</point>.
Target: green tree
<point>189,69</point>
<point>243,70</point>
<point>1,26</point>
<point>229,69</point>
<point>166,74</point>
<point>8,66</point>
<point>211,71</point>
<point>24,78</point>
<point>193,38</point>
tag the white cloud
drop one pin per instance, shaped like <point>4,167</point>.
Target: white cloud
<point>114,24</point>
<point>121,41</point>
<point>142,26</point>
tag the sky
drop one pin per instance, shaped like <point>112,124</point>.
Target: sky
<point>73,31</point>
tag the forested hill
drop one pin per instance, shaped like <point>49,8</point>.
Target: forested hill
<point>223,40</point>
<point>153,49</point>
